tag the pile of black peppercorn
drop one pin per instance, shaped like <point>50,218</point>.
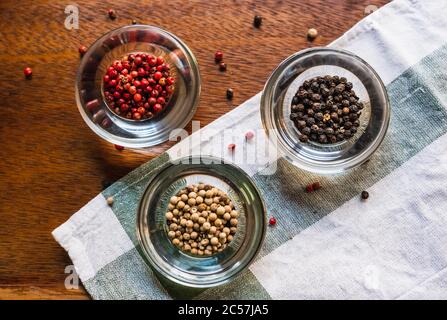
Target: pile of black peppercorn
<point>326,110</point>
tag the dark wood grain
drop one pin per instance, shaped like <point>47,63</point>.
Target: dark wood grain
<point>52,163</point>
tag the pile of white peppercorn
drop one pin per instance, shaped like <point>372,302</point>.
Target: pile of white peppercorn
<point>201,220</point>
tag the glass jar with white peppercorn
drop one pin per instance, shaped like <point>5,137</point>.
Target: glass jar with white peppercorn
<point>200,221</point>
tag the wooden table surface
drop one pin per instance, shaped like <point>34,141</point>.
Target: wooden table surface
<point>52,163</point>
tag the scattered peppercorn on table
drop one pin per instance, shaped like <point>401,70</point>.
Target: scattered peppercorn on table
<point>53,164</point>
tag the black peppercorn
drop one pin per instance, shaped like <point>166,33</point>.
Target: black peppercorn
<point>365,195</point>
<point>310,121</point>
<point>316,97</point>
<point>340,88</point>
<point>322,138</point>
<point>306,131</point>
<point>222,66</point>
<point>319,116</point>
<point>229,94</point>
<point>257,21</point>
<point>304,138</point>
<point>295,100</point>
<point>301,124</point>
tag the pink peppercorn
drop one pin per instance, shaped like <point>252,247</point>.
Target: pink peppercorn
<point>272,221</point>
<point>82,50</point>
<point>218,56</point>
<point>118,147</point>
<point>309,188</point>
<point>231,146</point>
<point>249,135</point>
<point>28,72</point>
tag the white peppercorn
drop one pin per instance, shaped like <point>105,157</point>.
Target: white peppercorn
<point>220,210</point>
<point>180,205</point>
<point>192,195</point>
<point>218,223</point>
<point>207,225</point>
<point>110,201</point>
<point>174,200</point>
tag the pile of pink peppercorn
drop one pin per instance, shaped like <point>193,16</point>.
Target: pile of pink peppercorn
<point>138,86</point>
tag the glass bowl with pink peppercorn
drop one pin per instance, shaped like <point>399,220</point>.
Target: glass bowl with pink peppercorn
<point>136,84</point>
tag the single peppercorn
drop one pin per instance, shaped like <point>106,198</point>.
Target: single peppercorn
<point>218,56</point>
<point>110,201</point>
<point>118,147</point>
<point>222,66</point>
<point>316,185</point>
<point>272,221</point>
<point>28,72</point>
<point>134,21</point>
<point>364,195</point>
<point>112,14</point>
<point>257,21</point>
<point>309,188</point>
<point>249,135</point>
<point>82,50</point>
<point>230,94</point>
<point>231,147</point>
<point>312,33</point>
